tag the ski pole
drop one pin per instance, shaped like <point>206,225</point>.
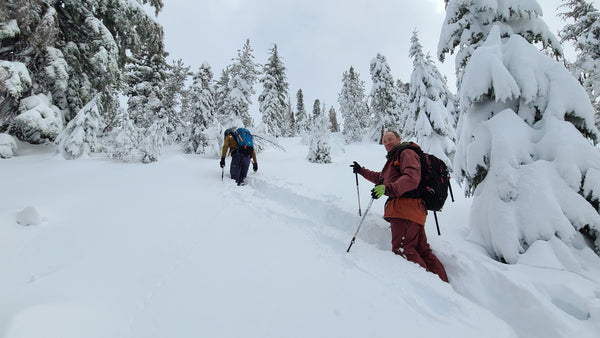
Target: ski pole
<point>358,194</point>
<point>363,218</point>
<point>222,173</point>
<point>360,224</point>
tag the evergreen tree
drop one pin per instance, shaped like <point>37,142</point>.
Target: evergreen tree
<point>153,140</point>
<point>176,76</point>
<point>247,69</point>
<point>81,134</point>
<point>291,129</point>
<point>384,102</point>
<point>319,150</point>
<point>352,103</point>
<point>335,126</point>
<point>202,102</point>
<point>316,111</point>
<point>235,89</point>
<point>145,79</point>
<point>302,122</point>
<point>584,32</point>
<point>221,93</point>
<point>273,100</point>
<point>74,49</point>
<point>429,122</point>
<point>404,109</point>
<point>124,143</point>
<point>523,115</point>
<point>236,106</point>
<point>468,23</point>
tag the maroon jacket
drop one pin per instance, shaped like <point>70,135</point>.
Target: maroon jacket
<point>399,182</point>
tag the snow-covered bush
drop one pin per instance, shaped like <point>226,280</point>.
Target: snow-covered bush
<point>208,141</point>
<point>39,121</point>
<point>14,78</point>
<point>80,135</point>
<point>29,216</point>
<point>8,146</point>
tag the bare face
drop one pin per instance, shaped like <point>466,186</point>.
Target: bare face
<point>390,141</point>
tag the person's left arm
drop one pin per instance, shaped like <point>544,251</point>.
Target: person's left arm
<point>255,162</point>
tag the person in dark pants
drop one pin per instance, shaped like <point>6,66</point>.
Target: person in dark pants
<point>240,161</point>
<point>401,174</point>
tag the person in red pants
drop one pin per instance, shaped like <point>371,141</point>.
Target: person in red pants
<point>407,215</point>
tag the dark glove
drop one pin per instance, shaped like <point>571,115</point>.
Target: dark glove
<point>255,166</point>
<point>378,191</point>
<point>355,167</point>
<point>222,163</point>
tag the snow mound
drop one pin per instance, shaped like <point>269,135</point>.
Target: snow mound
<point>8,146</point>
<point>29,216</point>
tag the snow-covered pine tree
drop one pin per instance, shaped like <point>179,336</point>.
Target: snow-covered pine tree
<point>467,24</point>
<point>352,101</point>
<point>291,129</point>
<point>204,123</point>
<point>316,111</point>
<point>221,92</point>
<point>584,32</point>
<point>247,70</point>
<point>302,121</point>
<point>236,106</point>
<point>430,123</point>
<point>384,103</point>
<point>524,148</point>
<point>273,100</point>
<point>74,49</point>
<point>403,106</point>
<point>145,79</point>
<point>176,76</point>
<point>235,88</point>
<point>80,136</point>
<point>319,150</point>
<point>335,127</point>
<point>123,145</point>
<point>153,140</point>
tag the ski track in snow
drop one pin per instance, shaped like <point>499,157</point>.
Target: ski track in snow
<point>322,215</point>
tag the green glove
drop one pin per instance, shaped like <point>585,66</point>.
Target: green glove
<point>378,191</point>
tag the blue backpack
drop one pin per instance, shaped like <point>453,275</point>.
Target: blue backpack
<point>244,141</point>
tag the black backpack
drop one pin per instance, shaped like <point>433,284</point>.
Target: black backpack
<point>435,181</point>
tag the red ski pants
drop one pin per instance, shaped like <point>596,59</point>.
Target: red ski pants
<point>409,240</point>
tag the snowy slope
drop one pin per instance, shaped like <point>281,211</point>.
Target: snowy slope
<point>169,250</point>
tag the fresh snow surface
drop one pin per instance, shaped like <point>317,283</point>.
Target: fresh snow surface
<point>168,249</point>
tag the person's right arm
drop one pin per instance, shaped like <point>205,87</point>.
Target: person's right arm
<point>369,175</point>
<point>225,147</point>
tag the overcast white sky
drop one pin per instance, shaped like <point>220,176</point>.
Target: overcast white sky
<point>317,39</point>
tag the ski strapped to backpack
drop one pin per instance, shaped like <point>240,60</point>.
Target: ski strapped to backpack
<point>435,181</point>
<point>244,141</point>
